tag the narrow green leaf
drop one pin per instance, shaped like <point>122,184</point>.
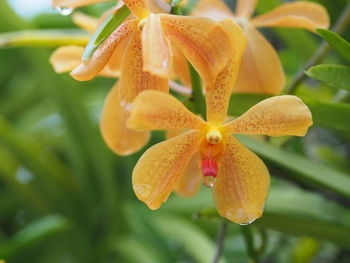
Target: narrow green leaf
<point>44,38</point>
<point>338,43</point>
<point>104,31</point>
<point>337,76</point>
<point>36,231</point>
<point>300,168</point>
<point>295,226</point>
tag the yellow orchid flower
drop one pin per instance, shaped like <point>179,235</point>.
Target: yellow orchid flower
<point>261,70</point>
<point>240,180</point>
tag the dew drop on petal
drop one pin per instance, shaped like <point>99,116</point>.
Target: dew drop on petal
<point>247,223</point>
<point>65,11</point>
<point>209,180</point>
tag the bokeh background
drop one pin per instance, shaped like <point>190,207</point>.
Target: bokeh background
<point>65,197</point>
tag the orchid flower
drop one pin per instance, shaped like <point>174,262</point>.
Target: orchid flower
<point>240,180</point>
<point>261,70</point>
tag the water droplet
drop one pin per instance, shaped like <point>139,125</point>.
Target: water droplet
<point>247,223</point>
<point>209,180</point>
<point>65,11</point>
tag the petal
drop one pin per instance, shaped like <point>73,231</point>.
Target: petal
<point>180,66</point>
<point>203,42</point>
<point>66,58</point>
<point>75,3</point>
<point>157,110</point>
<point>133,79</point>
<point>89,69</point>
<point>137,7</point>
<point>245,8</point>
<point>189,181</point>
<point>261,70</point>
<point>218,95</point>
<point>115,63</point>
<point>214,9</point>
<point>117,136</point>
<point>297,14</point>
<point>242,183</point>
<point>156,49</point>
<point>86,22</point>
<point>276,116</point>
<point>156,172</point>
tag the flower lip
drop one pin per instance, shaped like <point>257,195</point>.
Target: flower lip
<point>214,135</point>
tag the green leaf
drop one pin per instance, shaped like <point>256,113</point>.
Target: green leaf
<point>104,31</point>
<point>330,115</point>
<point>337,76</point>
<point>36,231</point>
<point>338,43</point>
<point>295,226</point>
<point>300,168</point>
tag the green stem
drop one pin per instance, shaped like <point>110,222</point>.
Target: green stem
<point>323,49</point>
<point>44,38</point>
<point>249,240</point>
<point>220,241</point>
<point>197,92</point>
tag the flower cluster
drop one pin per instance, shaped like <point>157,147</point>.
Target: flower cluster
<point>148,50</point>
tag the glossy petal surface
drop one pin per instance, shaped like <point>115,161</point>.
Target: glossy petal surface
<point>214,9</point>
<point>245,8</point>
<point>137,7</point>
<point>203,42</point>
<point>156,49</point>
<point>158,110</point>
<point>66,58</point>
<point>155,174</point>
<point>297,14</point>
<point>218,95</point>
<point>189,181</point>
<point>276,116</point>
<point>242,183</point>
<point>261,70</point>
<point>74,3</point>
<point>117,136</point>
<point>90,69</point>
<point>86,22</point>
<point>133,79</point>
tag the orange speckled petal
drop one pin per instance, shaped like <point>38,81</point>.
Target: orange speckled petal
<point>189,181</point>
<point>137,7</point>
<point>157,110</point>
<point>156,172</point>
<point>117,136</point>
<point>276,116</point>
<point>297,14</point>
<point>245,8</point>
<point>90,69</point>
<point>133,79</point>
<point>261,70</point>
<point>214,9</point>
<point>156,49</point>
<point>242,183</point>
<point>86,22</point>
<point>66,58</point>
<point>203,42</point>
<point>181,67</point>
<point>75,3</point>
<point>218,95</point>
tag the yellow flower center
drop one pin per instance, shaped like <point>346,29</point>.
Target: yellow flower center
<point>214,135</point>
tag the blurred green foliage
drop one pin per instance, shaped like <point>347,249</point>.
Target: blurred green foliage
<point>64,197</point>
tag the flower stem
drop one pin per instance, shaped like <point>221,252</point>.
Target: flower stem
<point>197,92</point>
<point>323,49</point>
<point>249,240</point>
<point>220,241</point>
